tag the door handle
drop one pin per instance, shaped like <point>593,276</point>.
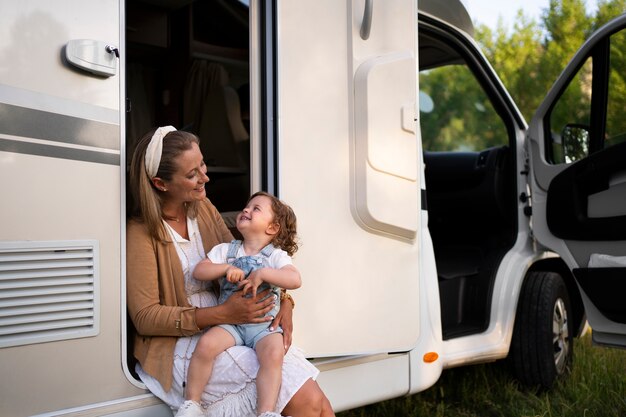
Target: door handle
<point>366,25</point>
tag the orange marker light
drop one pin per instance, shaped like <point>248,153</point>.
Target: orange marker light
<point>430,357</point>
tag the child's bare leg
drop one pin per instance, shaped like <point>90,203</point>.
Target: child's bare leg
<point>271,351</point>
<point>215,341</point>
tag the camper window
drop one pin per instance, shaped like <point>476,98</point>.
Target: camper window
<point>188,66</point>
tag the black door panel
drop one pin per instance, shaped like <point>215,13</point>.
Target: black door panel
<point>569,191</point>
<point>606,288</point>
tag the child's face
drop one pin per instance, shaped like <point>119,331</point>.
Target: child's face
<point>257,218</point>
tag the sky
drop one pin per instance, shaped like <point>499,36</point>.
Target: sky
<point>488,11</point>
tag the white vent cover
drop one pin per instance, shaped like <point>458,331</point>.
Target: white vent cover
<point>48,291</point>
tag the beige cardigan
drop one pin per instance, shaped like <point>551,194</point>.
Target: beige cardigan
<point>157,303</point>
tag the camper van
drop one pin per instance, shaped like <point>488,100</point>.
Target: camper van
<point>417,255</point>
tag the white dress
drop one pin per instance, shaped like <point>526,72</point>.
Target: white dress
<point>231,391</point>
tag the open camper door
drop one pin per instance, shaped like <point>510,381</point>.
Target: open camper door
<point>348,157</point>
<point>577,146</point>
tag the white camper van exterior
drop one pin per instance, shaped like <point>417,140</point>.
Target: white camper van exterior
<point>413,260</point>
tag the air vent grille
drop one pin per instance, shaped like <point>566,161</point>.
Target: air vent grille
<point>48,291</point>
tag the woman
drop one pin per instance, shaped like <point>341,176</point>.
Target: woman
<point>172,226</point>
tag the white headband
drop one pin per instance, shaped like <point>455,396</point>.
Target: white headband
<point>155,149</point>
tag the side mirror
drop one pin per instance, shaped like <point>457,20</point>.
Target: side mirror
<point>575,142</point>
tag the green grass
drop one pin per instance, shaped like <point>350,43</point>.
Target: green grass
<point>596,387</point>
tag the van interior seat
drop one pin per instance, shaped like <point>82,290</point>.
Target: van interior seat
<point>213,112</point>
<point>219,130</point>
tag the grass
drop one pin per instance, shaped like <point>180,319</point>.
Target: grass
<point>596,387</point>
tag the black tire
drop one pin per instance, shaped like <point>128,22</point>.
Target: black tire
<point>542,348</point>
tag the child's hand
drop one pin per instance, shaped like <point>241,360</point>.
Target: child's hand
<point>234,274</point>
<point>253,282</point>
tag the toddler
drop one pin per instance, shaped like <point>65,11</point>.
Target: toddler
<point>260,261</point>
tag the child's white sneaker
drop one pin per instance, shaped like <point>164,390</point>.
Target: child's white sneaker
<point>190,409</point>
<point>270,414</point>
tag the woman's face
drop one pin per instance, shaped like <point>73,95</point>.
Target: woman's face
<point>187,183</point>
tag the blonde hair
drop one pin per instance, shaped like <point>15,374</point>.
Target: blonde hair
<point>146,199</point>
<point>286,238</point>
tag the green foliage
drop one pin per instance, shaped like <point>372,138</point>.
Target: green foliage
<point>448,127</point>
<point>516,57</point>
<point>529,58</point>
<point>607,10</point>
<point>616,122</point>
<point>574,107</point>
<point>595,388</point>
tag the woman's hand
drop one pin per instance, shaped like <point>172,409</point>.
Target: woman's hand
<point>241,310</point>
<point>284,319</point>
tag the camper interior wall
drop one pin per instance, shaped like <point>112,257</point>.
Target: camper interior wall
<point>188,66</point>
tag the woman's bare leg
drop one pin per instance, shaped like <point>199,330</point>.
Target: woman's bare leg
<point>309,401</point>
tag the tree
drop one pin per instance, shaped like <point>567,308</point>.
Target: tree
<point>516,57</point>
<point>608,10</point>
<point>528,59</point>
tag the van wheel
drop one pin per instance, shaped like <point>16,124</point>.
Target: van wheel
<point>542,345</point>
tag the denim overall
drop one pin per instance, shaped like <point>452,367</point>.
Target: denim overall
<point>248,334</point>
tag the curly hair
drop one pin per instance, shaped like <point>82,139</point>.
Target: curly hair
<point>286,238</point>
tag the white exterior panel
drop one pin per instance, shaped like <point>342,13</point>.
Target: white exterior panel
<point>370,278</point>
<point>60,164</point>
<point>33,34</point>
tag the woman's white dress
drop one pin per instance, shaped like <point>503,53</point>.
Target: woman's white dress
<point>231,391</point>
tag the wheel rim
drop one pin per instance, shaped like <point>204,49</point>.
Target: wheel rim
<point>560,335</point>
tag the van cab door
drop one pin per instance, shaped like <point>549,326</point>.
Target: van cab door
<point>577,147</point>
